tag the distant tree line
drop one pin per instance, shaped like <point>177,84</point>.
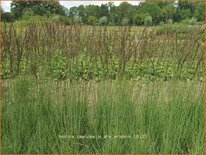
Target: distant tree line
<point>146,13</point>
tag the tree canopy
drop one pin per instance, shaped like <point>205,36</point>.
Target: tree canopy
<point>109,14</point>
<point>36,8</point>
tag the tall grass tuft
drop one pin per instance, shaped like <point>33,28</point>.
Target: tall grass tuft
<point>115,117</point>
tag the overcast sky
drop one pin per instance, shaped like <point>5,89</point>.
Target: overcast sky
<point>6,4</point>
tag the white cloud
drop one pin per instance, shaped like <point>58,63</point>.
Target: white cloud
<point>69,4</point>
<point>6,4</point>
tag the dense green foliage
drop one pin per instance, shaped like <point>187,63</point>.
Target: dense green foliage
<point>148,21</point>
<point>144,118</point>
<point>116,15</point>
<point>18,9</point>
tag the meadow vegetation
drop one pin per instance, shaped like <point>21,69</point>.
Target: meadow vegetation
<point>74,88</point>
<point>48,50</point>
<point>105,117</point>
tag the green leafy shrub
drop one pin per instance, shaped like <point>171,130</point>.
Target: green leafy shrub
<point>92,20</point>
<point>103,21</point>
<point>186,21</point>
<point>77,20</point>
<point>169,21</point>
<point>148,21</point>
<point>193,21</point>
<point>65,20</point>
<point>139,19</point>
<point>59,67</point>
<point>162,23</point>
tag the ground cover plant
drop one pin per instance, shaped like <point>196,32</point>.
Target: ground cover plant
<point>102,89</point>
<point>98,53</point>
